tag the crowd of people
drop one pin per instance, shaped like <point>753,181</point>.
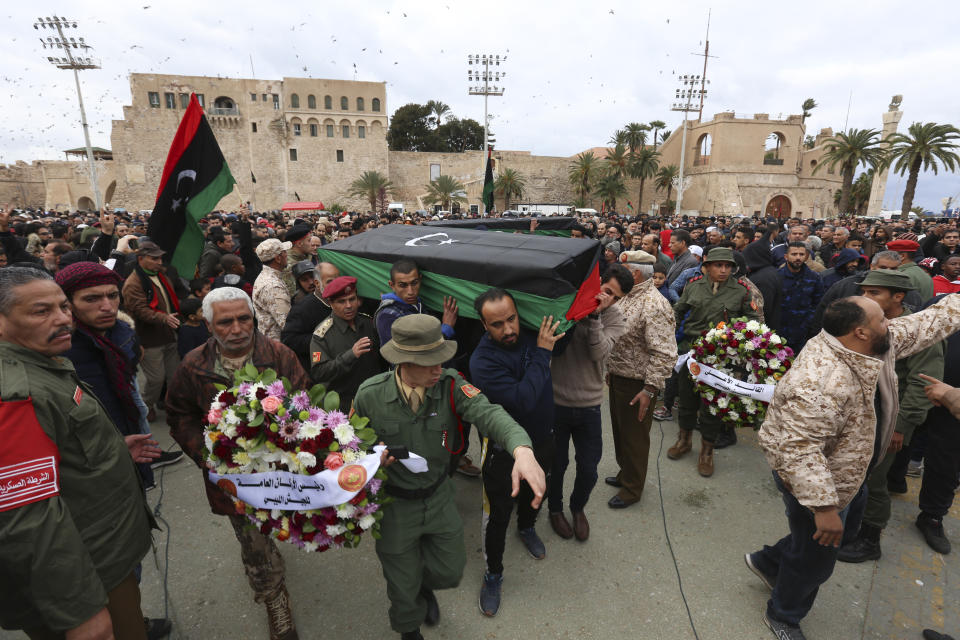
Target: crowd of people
<point>100,335</point>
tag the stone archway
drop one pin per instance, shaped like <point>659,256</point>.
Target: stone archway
<point>86,204</point>
<point>779,207</point>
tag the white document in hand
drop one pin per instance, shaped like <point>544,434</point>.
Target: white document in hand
<point>415,463</point>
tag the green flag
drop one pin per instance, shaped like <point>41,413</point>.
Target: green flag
<point>488,184</point>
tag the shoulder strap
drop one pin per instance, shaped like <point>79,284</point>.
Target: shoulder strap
<point>14,384</point>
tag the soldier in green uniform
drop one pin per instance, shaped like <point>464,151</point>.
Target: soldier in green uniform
<point>423,407</point>
<point>343,350</point>
<point>706,300</point>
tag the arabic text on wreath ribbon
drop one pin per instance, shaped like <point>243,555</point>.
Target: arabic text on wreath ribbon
<point>724,382</point>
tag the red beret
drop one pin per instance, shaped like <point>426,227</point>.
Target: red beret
<point>341,286</point>
<point>902,245</point>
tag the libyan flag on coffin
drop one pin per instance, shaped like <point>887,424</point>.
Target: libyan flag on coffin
<point>546,275</point>
<point>546,226</point>
<point>195,178</point>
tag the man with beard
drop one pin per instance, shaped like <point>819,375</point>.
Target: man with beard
<point>832,415</point>
<point>344,349</point>
<point>513,369</point>
<point>845,265</point>
<point>234,344</point>
<point>887,288</point>
<point>802,289</point>
<point>651,244</point>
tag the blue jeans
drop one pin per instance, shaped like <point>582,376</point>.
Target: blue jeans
<point>583,425</point>
<point>798,561</point>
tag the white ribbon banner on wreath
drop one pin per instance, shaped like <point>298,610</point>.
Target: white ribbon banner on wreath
<point>727,383</point>
<point>300,492</point>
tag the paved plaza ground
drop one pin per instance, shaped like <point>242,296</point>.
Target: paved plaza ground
<point>619,584</point>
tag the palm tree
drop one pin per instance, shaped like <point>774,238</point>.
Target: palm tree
<point>656,125</point>
<point>609,187</point>
<point>368,186</point>
<point>636,137</point>
<point>582,172</point>
<point>508,184</point>
<point>445,190</point>
<point>924,146</point>
<point>645,164</point>
<point>860,191</point>
<point>850,149</point>
<point>664,135</point>
<point>619,137</point>
<point>808,105</point>
<point>665,176</point>
<point>438,111</point>
<point>618,160</point>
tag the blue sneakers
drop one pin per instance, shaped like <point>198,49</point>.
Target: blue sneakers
<point>490,593</point>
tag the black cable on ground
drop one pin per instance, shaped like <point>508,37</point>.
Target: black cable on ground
<point>666,533</point>
<point>166,552</point>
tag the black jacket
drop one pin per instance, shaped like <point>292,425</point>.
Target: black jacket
<point>763,274</point>
<point>301,322</point>
<point>850,286</point>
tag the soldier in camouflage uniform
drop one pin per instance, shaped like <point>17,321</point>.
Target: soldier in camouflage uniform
<point>344,350</point>
<point>422,406</point>
<point>706,300</point>
<point>271,297</point>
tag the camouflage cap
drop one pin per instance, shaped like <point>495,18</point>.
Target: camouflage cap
<point>889,279</point>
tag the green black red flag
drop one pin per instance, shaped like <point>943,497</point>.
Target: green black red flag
<point>488,184</point>
<point>195,178</point>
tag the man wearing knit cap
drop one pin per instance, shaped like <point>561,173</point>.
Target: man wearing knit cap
<point>344,350</point>
<point>906,245</point>
<point>271,298</point>
<point>640,362</point>
<point>298,236</point>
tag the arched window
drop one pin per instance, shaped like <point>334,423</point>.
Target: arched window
<point>361,128</point>
<point>327,102</point>
<point>314,127</point>
<point>359,104</point>
<point>344,103</point>
<point>375,105</point>
<point>294,101</point>
<point>773,148</point>
<point>311,101</point>
<point>296,125</point>
<point>701,156</point>
<point>223,106</point>
<point>328,127</point>
<point>344,128</point>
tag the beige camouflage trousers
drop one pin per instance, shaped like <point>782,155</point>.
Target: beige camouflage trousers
<point>261,558</point>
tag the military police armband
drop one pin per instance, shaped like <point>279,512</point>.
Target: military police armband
<point>29,460</point>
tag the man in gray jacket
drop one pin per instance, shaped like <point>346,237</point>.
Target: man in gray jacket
<point>577,375</point>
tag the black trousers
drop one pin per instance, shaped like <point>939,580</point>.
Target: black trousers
<point>498,505</point>
<point>941,462</point>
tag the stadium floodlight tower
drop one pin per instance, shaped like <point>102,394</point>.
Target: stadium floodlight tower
<point>76,52</point>
<point>485,78</point>
<point>685,96</point>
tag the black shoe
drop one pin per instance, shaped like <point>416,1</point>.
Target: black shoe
<point>533,543</point>
<point>727,438</point>
<point>613,482</point>
<point>768,579</point>
<point>433,607</point>
<point>157,628</point>
<point>167,458</point>
<point>411,635</point>
<point>898,485</point>
<point>930,634</point>
<point>782,630</point>
<point>490,594</point>
<point>860,550</point>
<point>616,502</point>
<point>932,529</point>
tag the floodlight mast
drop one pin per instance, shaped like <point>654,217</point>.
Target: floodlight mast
<point>685,96</point>
<point>486,76</point>
<point>76,64</point>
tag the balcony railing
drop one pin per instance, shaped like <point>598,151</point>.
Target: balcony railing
<point>702,161</point>
<point>776,161</point>
<point>223,111</point>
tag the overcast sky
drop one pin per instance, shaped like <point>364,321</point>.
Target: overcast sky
<point>576,71</point>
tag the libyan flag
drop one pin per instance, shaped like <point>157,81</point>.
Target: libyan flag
<point>195,178</point>
<point>547,276</point>
<point>488,184</point>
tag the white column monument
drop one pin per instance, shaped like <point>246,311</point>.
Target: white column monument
<point>891,119</point>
